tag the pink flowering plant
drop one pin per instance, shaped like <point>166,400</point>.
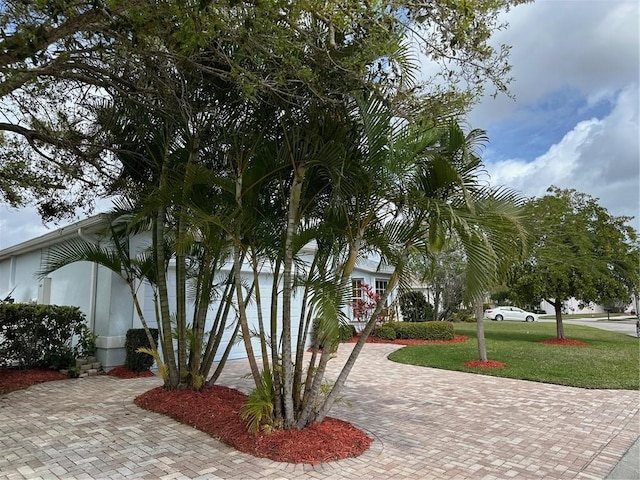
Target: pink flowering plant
<point>364,306</point>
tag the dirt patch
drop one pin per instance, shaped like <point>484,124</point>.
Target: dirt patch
<point>124,372</point>
<point>216,411</point>
<point>563,341</point>
<point>13,379</point>
<point>487,364</point>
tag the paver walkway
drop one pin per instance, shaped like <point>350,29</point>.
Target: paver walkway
<point>427,424</point>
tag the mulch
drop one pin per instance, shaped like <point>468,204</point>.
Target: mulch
<point>215,410</point>
<point>14,379</point>
<point>124,372</point>
<point>487,364</point>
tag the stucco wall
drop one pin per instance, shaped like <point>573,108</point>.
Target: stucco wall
<point>106,300</point>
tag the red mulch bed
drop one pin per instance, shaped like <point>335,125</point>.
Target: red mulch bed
<point>13,379</point>
<point>563,341</point>
<point>412,341</point>
<point>124,372</point>
<point>487,364</point>
<point>216,411</point>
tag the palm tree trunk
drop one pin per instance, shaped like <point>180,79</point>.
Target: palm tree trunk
<point>277,379</point>
<point>287,288</point>
<point>217,330</point>
<point>307,415</point>
<point>136,303</point>
<point>225,356</point>
<point>263,339</point>
<point>181,301</point>
<point>242,313</point>
<point>203,297</point>
<point>482,346</point>
<point>303,329</point>
<point>163,299</point>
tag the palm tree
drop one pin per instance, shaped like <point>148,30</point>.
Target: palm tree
<point>437,194</point>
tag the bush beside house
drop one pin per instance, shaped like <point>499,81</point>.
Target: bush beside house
<point>38,335</point>
<point>414,307</point>
<point>137,338</point>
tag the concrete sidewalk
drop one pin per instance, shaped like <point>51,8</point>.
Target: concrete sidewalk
<point>629,467</point>
<point>426,424</point>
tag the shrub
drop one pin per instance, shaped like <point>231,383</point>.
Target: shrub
<point>59,359</point>
<point>29,333</point>
<point>463,316</point>
<point>137,338</point>
<point>386,332</point>
<point>347,332</point>
<point>414,307</point>
<point>86,346</point>
<point>423,330</point>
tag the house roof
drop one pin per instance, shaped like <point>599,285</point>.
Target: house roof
<point>87,225</point>
<point>92,224</point>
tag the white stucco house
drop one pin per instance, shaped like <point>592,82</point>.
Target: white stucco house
<point>105,298</point>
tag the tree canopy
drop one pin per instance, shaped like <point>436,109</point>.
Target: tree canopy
<point>61,59</point>
<point>578,250</point>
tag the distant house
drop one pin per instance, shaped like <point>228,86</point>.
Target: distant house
<point>105,298</point>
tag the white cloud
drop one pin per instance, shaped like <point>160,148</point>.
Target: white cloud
<point>591,47</point>
<point>19,225</point>
<point>598,156</point>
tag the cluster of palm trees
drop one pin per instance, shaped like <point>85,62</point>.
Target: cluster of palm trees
<point>349,180</point>
<point>238,134</point>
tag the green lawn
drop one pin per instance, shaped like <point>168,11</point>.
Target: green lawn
<point>610,360</point>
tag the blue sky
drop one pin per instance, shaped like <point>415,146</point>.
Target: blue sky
<point>574,120</point>
<point>532,128</point>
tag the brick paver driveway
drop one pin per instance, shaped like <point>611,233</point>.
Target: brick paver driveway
<point>426,423</point>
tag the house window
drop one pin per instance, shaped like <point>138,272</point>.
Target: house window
<point>356,295</point>
<point>356,288</point>
<point>381,287</point>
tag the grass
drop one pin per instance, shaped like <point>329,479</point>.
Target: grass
<point>609,361</point>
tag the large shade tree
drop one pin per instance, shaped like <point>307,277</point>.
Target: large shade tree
<point>578,250</point>
<point>57,56</point>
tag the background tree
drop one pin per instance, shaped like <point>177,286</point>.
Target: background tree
<point>579,250</point>
<point>414,307</point>
<point>443,274</point>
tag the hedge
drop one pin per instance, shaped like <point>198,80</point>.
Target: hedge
<point>33,335</point>
<point>385,331</point>
<point>136,338</point>
<point>423,330</point>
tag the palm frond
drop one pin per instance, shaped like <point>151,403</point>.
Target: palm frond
<point>77,250</point>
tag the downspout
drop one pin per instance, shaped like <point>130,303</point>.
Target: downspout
<point>93,293</point>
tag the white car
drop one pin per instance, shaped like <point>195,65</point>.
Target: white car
<point>510,313</point>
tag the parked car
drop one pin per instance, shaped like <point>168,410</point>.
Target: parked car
<point>510,313</point>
